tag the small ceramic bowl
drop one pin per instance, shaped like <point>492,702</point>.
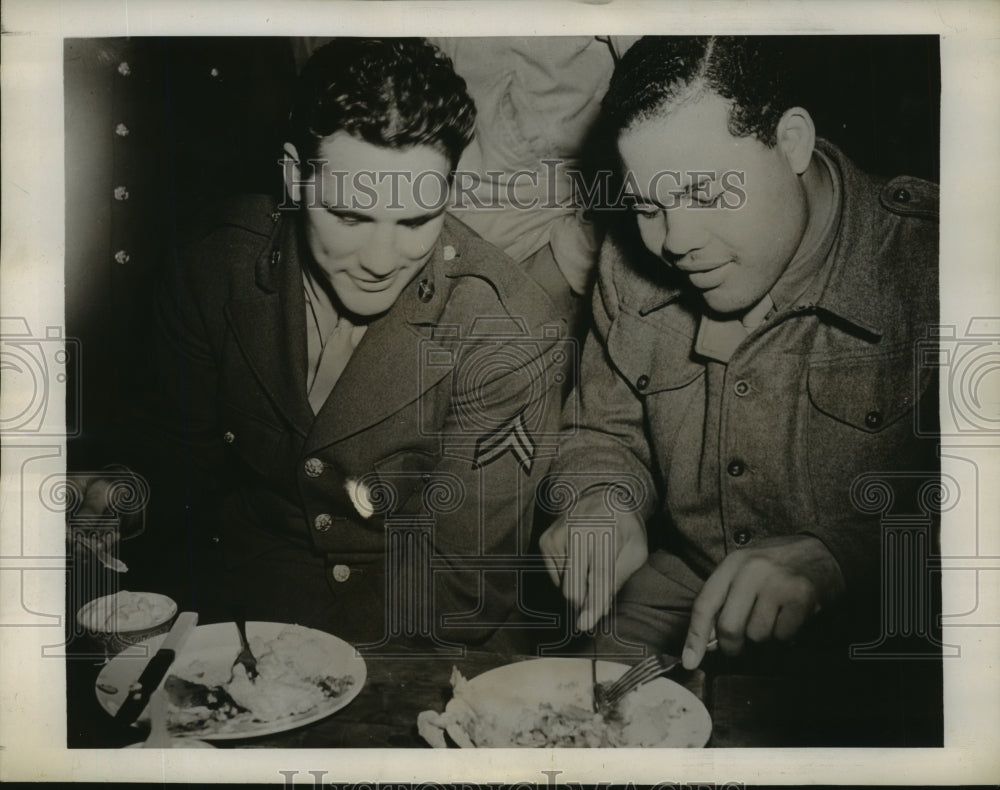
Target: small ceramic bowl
<point>118,621</point>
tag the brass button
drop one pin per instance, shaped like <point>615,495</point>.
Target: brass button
<point>425,290</point>
<point>735,468</point>
<point>213,72</point>
<point>122,257</point>
<point>122,130</point>
<point>741,388</point>
<point>314,467</point>
<point>121,193</point>
<point>229,437</point>
<point>742,537</point>
<point>323,522</point>
<point>873,419</point>
<point>341,573</point>
<point>642,382</point>
<point>275,257</point>
<point>216,540</point>
<point>124,68</point>
<point>901,195</point>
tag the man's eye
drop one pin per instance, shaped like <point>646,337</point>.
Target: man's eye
<point>704,198</point>
<point>645,211</point>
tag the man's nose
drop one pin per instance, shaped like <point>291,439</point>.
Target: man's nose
<point>683,232</point>
<point>379,256</point>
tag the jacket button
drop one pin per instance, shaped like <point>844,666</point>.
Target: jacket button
<point>901,195</point>
<point>341,573</point>
<point>873,419</point>
<point>741,388</point>
<point>735,468</point>
<point>216,540</point>
<point>742,537</point>
<point>314,467</point>
<point>425,290</point>
<point>229,437</point>
<point>323,522</point>
<point>642,382</point>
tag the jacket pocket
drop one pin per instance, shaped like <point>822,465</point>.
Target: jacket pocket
<point>868,393</point>
<point>401,481</point>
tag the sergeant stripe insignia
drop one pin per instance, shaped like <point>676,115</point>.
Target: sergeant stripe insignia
<point>512,436</point>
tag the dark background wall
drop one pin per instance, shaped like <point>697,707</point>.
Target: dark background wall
<point>158,128</point>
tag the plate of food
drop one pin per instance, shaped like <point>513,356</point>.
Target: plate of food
<point>548,702</point>
<point>304,675</point>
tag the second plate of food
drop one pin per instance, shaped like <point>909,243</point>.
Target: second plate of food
<point>548,702</point>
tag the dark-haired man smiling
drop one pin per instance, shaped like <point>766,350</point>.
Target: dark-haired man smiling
<point>347,435</point>
<point>750,371</point>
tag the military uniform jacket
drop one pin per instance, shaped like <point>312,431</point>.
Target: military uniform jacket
<point>424,458</point>
<point>815,412</point>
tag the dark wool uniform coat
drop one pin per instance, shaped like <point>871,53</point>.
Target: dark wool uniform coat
<point>403,509</point>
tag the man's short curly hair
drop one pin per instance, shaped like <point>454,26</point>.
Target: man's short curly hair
<point>662,72</point>
<point>392,92</point>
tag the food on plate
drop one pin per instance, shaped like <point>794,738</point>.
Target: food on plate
<point>295,676</point>
<point>126,611</point>
<point>483,714</point>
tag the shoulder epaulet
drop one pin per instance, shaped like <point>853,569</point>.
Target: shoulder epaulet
<point>911,197</point>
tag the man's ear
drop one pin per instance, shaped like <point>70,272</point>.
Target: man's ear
<point>797,138</point>
<point>293,173</point>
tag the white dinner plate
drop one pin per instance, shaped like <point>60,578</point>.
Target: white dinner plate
<point>214,648</point>
<point>499,708</point>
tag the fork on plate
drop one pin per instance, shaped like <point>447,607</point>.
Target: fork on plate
<point>246,656</point>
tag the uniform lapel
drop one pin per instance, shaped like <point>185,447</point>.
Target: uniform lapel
<point>270,328</point>
<point>388,370</point>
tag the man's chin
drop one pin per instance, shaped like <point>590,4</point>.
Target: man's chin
<point>365,307</point>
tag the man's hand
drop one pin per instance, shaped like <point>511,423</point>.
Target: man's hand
<point>767,592</point>
<point>593,565</point>
<point>93,495</point>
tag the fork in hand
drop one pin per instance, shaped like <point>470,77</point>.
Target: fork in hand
<point>607,696</point>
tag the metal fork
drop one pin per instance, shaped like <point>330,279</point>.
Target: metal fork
<point>246,656</point>
<point>651,667</point>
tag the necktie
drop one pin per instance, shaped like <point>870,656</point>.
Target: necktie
<point>336,353</point>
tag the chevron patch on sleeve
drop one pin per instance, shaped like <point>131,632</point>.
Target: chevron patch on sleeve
<point>510,437</point>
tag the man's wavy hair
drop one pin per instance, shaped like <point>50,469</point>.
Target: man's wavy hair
<point>660,73</point>
<point>393,93</point>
